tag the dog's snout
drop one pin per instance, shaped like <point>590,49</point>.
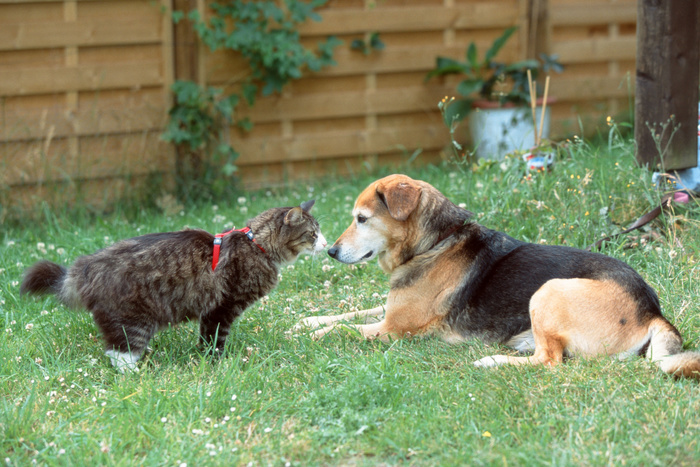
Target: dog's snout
<point>333,251</point>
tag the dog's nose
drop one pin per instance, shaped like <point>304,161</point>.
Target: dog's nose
<point>333,251</point>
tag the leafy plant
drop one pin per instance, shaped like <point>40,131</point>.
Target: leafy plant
<point>489,79</point>
<point>199,119</point>
<point>266,34</point>
<point>366,47</point>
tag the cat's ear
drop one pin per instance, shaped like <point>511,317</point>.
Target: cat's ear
<point>307,205</point>
<point>294,216</point>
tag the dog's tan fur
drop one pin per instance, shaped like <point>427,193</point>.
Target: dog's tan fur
<point>434,255</point>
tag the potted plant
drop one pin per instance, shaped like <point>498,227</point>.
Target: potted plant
<point>497,97</point>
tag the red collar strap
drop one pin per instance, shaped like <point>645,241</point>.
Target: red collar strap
<point>218,239</point>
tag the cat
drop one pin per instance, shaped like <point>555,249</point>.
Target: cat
<point>140,285</point>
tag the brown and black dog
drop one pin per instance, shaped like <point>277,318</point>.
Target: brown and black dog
<point>456,279</point>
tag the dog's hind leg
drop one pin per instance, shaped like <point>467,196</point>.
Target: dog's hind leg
<point>582,316</point>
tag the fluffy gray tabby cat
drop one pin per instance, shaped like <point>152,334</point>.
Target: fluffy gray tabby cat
<point>140,285</point>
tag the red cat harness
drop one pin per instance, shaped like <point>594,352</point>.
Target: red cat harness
<point>218,239</point>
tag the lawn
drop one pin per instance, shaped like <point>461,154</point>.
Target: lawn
<point>279,399</point>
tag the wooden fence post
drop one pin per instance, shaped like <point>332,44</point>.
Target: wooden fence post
<point>539,28</point>
<point>668,68</point>
<point>186,51</point>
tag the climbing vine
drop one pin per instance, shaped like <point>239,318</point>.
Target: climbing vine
<point>265,33</point>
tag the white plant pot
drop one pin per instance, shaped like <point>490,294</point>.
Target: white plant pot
<point>496,132</point>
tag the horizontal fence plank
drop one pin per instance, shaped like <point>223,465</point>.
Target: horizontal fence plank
<point>103,156</point>
<point>20,82</point>
<point>418,18</point>
<point>593,13</point>
<point>596,49</point>
<point>260,176</point>
<point>348,104</point>
<point>40,35</point>
<point>587,88</point>
<point>397,59</point>
<point>42,124</point>
<point>338,144</point>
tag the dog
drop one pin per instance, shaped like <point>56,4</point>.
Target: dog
<point>458,280</point>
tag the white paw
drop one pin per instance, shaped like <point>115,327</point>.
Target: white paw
<point>491,360</point>
<point>123,362</point>
<point>312,322</point>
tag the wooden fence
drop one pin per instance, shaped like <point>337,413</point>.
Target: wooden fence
<point>84,86</point>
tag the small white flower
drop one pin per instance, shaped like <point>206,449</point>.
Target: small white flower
<point>267,430</point>
<point>234,397</point>
<point>29,326</point>
<point>163,420</point>
<point>207,420</point>
<point>60,251</point>
<point>241,200</point>
<point>326,267</point>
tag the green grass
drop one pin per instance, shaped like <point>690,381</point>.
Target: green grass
<point>278,398</point>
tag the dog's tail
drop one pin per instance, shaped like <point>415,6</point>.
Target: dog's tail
<point>666,350</point>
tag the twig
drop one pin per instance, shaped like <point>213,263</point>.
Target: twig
<point>544,108</point>
<point>533,103</point>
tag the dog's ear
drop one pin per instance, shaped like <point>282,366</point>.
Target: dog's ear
<point>294,216</point>
<point>400,198</point>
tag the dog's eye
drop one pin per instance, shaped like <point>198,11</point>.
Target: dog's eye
<point>361,219</point>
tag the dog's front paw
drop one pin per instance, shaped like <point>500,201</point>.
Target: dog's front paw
<point>312,322</point>
<point>491,360</point>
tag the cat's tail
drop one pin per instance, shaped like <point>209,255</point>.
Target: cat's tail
<point>43,277</point>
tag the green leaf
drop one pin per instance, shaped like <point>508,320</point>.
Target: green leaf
<point>521,66</point>
<point>472,58</point>
<point>375,42</point>
<point>470,86</point>
<point>499,43</point>
<point>457,110</point>
<point>447,66</point>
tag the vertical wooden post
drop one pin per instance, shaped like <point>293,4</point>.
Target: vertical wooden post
<point>538,28</point>
<point>185,44</point>
<point>186,63</point>
<point>668,68</point>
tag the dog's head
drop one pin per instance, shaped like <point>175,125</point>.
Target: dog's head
<point>394,219</point>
